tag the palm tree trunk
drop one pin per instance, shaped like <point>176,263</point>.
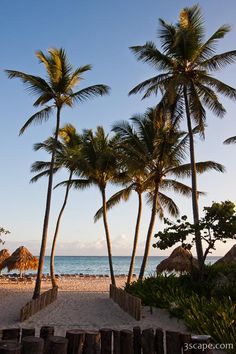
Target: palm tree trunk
<point>46,215</point>
<point>53,278</point>
<point>194,182</point>
<point>136,236</point>
<point>149,234</point>
<point>113,281</point>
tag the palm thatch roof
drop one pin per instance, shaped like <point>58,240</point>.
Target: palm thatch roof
<point>180,260</point>
<point>21,259</point>
<point>4,254</point>
<point>229,257</point>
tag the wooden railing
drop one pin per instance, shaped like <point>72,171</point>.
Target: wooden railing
<point>136,341</point>
<point>36,305</point>
<point>129,303</point>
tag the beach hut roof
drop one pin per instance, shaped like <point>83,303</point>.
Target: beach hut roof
<point>180,260</point>
<point>21,259</point>
<point>4,254</point>
<point>229,257</point>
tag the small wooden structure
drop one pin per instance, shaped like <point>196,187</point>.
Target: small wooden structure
<point>103,341</point>
<point>229,257</point>
<point>36,305</point>
<point>129,303</point>
<point>21,259</point>
<point>4,254</point>
<point>181,260</point>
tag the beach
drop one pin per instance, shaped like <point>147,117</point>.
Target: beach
<point>82,303</point>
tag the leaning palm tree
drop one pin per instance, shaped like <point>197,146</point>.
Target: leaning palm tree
<point>66,156</point>
<point>100,163</point>
<point>156,145</point>
<point>54,93</point>
<point>231,140</point>
<point>184,68</point>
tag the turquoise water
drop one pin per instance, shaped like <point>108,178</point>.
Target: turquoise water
<point>99,265</point>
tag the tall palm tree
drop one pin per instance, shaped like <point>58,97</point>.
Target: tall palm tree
<point>136,181</point>
<point>56,90</point>
<point>66,156</point>
<point>184,67</point>
<point>156,145</point>
<point>231,140</point>
<point>100,163</point>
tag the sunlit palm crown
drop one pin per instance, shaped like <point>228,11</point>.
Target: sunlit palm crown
<point>156,147</point>
<point>67,152</point>
<point>100,161</point>
<point>58,87</point>
<point>186,59</point>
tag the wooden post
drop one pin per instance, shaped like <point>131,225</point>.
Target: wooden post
<point>201,344</point>
<point>57,345</point>
<point>32,345</point>
<point>92,343</point>
<point>10,347</point>
<point>186,341</point>
<point>45,333</point>
<point>159,341</point>
<point>126,342</point>
<point>106,340</point>
<point>148,341</point>
<point>27,332</point>
<point>11,334</point>
<point>116,342</point>
<point>173,343</point>
<point>75,341</point>
<point>137,340</point>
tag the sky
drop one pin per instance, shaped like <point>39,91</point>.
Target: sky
<point>98,33</point>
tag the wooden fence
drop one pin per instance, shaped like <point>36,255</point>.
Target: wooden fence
<point>104,341</point>
<point>129,303</point>
<point>36,305</point>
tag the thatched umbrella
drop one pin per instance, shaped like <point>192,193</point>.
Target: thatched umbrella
<point>229,257</point>
<point>180,260</point>
<point>4,254</point>
<point>21,259</point>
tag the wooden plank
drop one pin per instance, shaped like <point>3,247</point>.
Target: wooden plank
<point>10,347</point>
<point>116,342</point>
<point>137,340</point>
<point>106,340</point>
<point>11,334</point>
<point>92,343</point>
<point>57,345</point>
<point>75,341</point>
<point>173,343</point>
<point>126,342</point>
<point>32,345</point>
<point>159,341</point>
<point>148,341</point>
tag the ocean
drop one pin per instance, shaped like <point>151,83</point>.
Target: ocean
<point>99,265</point>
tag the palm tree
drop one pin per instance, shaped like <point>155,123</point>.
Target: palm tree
<point>66,156</point>
<point>184,67</point>
<point>231,140</point>
<point>100,163</point>
<point>136,182</point>
<point>156,145</point>
<point>56,89</point>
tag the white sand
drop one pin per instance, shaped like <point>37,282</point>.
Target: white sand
<point>82,303</point>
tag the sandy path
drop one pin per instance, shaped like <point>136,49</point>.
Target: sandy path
<point>81,303</point>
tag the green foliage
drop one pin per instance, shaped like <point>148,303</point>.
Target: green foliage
<point>3,232</point>
<point>206,308</point>
<point>218,224</point>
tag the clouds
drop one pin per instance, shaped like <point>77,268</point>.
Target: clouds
<point>121,246</point>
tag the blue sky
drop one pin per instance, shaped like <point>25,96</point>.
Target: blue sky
<point>97,33</point>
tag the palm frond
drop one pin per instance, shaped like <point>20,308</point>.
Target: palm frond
<point>201,167</point>
<point>123,194</point>
<point>90,92</point>
<point>44,173</point>
<point>231,140</point>
<point>37,118</point>
<point>219,61</point>
<point>76,183</point>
